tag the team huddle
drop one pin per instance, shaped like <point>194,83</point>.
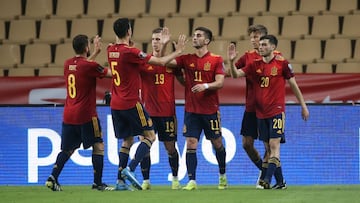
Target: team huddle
<point>202,74</point>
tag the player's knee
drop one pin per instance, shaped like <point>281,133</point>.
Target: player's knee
<point>98,148</point>
<point>68,152</point>
<point>150,135</point>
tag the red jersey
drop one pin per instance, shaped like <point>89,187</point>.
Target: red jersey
<point>200,70</point>
<point>157,90</point>
<point>269,82</point>
<point>125,63</point>
<point>245,59</point>
<point>80,76</point>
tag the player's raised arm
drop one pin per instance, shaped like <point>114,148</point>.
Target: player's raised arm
<point>232,54</point>
<point>179,48</point>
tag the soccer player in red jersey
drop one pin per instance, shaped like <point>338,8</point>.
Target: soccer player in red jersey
<point>269,75</point>
<point>204,76</point>
<point>80,120</point>
<point>157,94</point>
<point>249,128</point>
<point>129,117</point>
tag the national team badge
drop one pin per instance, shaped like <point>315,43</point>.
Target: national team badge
<point>207,66</point>
<point>274,71</point>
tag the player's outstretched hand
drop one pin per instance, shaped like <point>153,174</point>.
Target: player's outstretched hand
<point>232,53</point>
<point>97,44</point>
<point>181,43</point>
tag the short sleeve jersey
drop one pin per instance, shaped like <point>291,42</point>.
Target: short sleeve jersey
<point>200,70</point>
<point>245,59</point>
<point>157,90</point>
<point>269,82</point>
<point>80,78</point>
<point>125,63</point>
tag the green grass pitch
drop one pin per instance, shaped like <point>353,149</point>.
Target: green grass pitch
<point>163,194</point>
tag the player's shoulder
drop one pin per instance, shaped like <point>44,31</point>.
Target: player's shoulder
<point>279,58</point>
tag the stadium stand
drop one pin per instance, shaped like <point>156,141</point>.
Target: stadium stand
<point>320,68</point>
<point>307,51</point>
<point>310,33</point>
<point>191,8</point>
<point>100,9</point>
<point>160,8</point>
<point>51,71</point>
<point>281,7</point>
<point>69,9</point>
<point>348,68</point>
<point>324,27</point>
<point>311,7</point>
<point>38,9</point>
<point>235,28</point>
<point>10,10</point>
<point>9,56</point>
<point>52,31</point>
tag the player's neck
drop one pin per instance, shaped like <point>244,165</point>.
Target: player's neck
<point>125,40</point>
<point>201,51</point>
<point>268,58</point>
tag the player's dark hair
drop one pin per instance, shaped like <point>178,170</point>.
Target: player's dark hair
<point>207,32</point>
<point>157,30</point>
<point>80,42</point>
<point>257,28</point>
<point>272,39</point>
<point>121,26</point>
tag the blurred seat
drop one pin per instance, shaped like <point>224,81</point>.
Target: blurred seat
<point>191,8</point>
<point>307,51</point>
<point>348,68</point>
<point>178,25</point>
<point>281,7</point>
<point>221,9</point>
<point>337,50</point>
<point>143,28</point>
<point>297,67</point>
<point>100,9</point>
<point>349,30</point>
<point>69,9</point>
<point>242,46</point>
<point>210,22</point>
<point>10,10</point>
<point>252,7</point>
<point>9,55</point>
<point>235,28</point>
<point>37,55</point>
<point>2,72</point>
<point>38,9</point>
<point>219,47</point>
<point>324,26</point>
<point>86,26</point>
<point>341,7</point>
<point>2,31</point>
<point>161,8</point>
<point>132,8</point>
<point>319,68</point>
<point>22,31</point>
<point>21,72</point>
<point>356,54</point>
<point>62,53</point>
<point>295,27</point>
<point>284,47</point>
<point>311,7</point>
<point>51,71</point>
<point>270,22</point>
<point>52,31</point>
<point>108,33</point>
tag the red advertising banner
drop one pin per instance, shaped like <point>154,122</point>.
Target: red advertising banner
<point>316,88</point>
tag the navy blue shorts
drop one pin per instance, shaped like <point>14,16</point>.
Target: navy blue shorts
<point>73,135</point>
<point>131,122</point>
<point>195,123</point>
<point>272,128</point>
<point>249,125</point>
<point>166,127</point>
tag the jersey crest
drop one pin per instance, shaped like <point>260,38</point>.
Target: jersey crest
<point>273,71</point>
<point>207,66</point>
